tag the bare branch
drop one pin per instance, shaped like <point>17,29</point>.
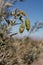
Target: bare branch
<point>36,26</point>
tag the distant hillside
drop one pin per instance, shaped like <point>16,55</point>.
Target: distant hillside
<point>20,51</point>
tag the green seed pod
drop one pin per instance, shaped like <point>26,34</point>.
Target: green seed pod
<point>27,23</point>
<point>22,27</point>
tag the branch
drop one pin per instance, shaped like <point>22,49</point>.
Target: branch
<point>36,26</point>
<point>7,4</point>
<point>13,34</point>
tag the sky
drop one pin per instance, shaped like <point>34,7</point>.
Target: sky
<point>34,11</point>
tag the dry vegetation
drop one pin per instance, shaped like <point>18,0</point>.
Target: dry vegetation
<point>20,51</point>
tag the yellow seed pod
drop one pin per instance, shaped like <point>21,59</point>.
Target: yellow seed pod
<point>22,27</point>
<point>27,23</point>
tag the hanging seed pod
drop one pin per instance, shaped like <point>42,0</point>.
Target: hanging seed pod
<point>27,23</point>
<point>22,27</point>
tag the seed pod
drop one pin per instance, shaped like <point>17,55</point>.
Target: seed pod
<point>22,27</point>
<point>27,23</point>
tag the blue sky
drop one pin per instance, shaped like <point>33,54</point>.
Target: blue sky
<point>34,10</point>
